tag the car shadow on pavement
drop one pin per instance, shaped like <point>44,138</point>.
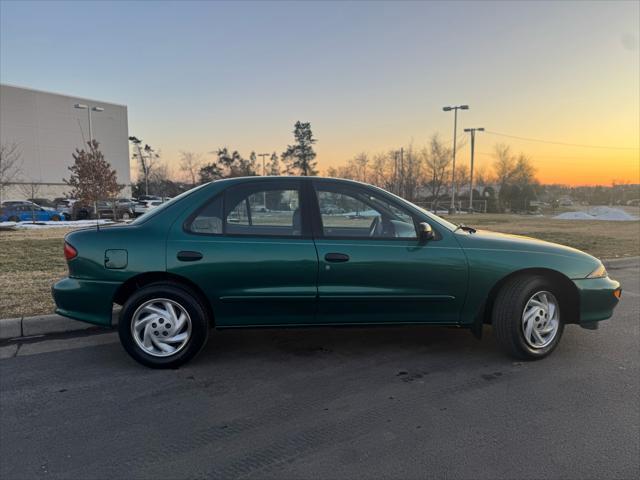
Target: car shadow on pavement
<point>350,341</point>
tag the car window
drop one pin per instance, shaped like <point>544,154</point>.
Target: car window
<point>265,210</point>
<point>161,208</point>
<point>348,212</point>
<point>209,219</point>
<point>251,210</point>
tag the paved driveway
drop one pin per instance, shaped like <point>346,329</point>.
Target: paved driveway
<point>330,403</point>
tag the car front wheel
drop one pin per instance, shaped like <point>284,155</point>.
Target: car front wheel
<point>163,325</point>
<point>527,318</point>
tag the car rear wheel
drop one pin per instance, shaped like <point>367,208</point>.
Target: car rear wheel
<point>163,325</point>
<point>14,219</point>
<point>527,318</point>
<point>55,218</point>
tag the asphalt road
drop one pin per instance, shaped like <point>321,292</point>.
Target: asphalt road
<point>409,402</point>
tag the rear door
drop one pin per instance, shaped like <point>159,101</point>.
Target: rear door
<point>373,268</point>
<point>251,251</point>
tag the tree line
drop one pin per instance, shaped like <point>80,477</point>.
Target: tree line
<point>415,173</point>
<point>424,174</point>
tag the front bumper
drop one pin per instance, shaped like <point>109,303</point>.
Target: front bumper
<point>598,298</point>
<point>85,300</point>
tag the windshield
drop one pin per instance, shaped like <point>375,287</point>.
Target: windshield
<point>440,220</point>
<point>160,208</point>
<point>433,216</point>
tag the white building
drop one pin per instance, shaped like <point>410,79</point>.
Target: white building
<point>47,127</point>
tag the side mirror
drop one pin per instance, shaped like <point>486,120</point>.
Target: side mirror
<point>425,232</point>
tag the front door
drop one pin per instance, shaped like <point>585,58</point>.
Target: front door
<point>252,254</point>
<point>373,268</point>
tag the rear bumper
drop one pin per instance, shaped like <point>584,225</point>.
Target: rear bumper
<point>597,298</point>
<point>85,300</point>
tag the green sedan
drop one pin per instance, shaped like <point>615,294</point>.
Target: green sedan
<point>306,251</point>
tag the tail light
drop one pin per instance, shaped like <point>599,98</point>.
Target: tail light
<point>69,252</point>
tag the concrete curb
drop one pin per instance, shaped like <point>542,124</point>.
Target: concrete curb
<point>46,324</point>
<point>43,325</point>
<point>616,262</point>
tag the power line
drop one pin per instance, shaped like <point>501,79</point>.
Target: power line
<point>559,143</point>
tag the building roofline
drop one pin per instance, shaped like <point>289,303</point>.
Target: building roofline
<point>61,94</point>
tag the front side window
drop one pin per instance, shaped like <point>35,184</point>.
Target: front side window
<point>251,210</point>
<point>348,212</point>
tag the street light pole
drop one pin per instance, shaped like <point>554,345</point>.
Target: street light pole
<point>472,131</point>
<point>455,108</point>
<point>89,109</point>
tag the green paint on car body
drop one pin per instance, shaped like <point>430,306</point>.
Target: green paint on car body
<point>271,280</point>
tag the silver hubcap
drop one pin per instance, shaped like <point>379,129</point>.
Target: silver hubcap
<point>161,327</point>
<point>540,319</point>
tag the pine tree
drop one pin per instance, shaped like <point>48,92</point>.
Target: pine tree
<point>300,157</point>
<point>274,165</point>
<point>210,172</point>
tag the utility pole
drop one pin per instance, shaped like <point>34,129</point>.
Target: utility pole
<point>455,108</point>
<point>263,155</point>
<point>472,131</point>
<point>264,193</point>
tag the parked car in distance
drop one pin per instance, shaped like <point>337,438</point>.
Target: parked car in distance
<point>44,203</point>
<point>143,206</point>
<point>209,259</point>
<point>129,203</point>
<point>114,210</point>
<point>65,205</point>
<point>28,213</point>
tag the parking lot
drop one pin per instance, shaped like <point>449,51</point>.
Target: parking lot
<point>329,403</point>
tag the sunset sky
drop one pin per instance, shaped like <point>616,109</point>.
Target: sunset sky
<point>368,76</point>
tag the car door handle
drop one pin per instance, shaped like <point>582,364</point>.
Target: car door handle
<point>336,257</point>
<point>188,256</point>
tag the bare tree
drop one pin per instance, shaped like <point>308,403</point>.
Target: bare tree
<point>438,160</point>
<point>10,165</point>
<point>463,178</point>
<point>31,191</point>
<point>190,164</point>
<point>413,173</point>
<point>515,177</point>
<point>146,156</point>
<point>360,166</point>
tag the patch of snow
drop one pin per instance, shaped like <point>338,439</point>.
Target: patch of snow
<point>598,213</point>
<point>361,213</point>
<point>61,224</point>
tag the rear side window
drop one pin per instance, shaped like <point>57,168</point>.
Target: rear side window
<point>209,219</point>
<point>269,211</point>
<point>254,210</point>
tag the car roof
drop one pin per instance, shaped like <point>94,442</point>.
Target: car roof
<point>266,178</point>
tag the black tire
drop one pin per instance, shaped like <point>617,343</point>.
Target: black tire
<point>55,218</point>
<point>184,298</point>
<point>507,316</point>
<point>14,219</point>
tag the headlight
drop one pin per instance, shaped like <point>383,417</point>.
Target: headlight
<point>598,272</point>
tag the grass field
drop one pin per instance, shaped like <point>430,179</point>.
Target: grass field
<point>31,260</point>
